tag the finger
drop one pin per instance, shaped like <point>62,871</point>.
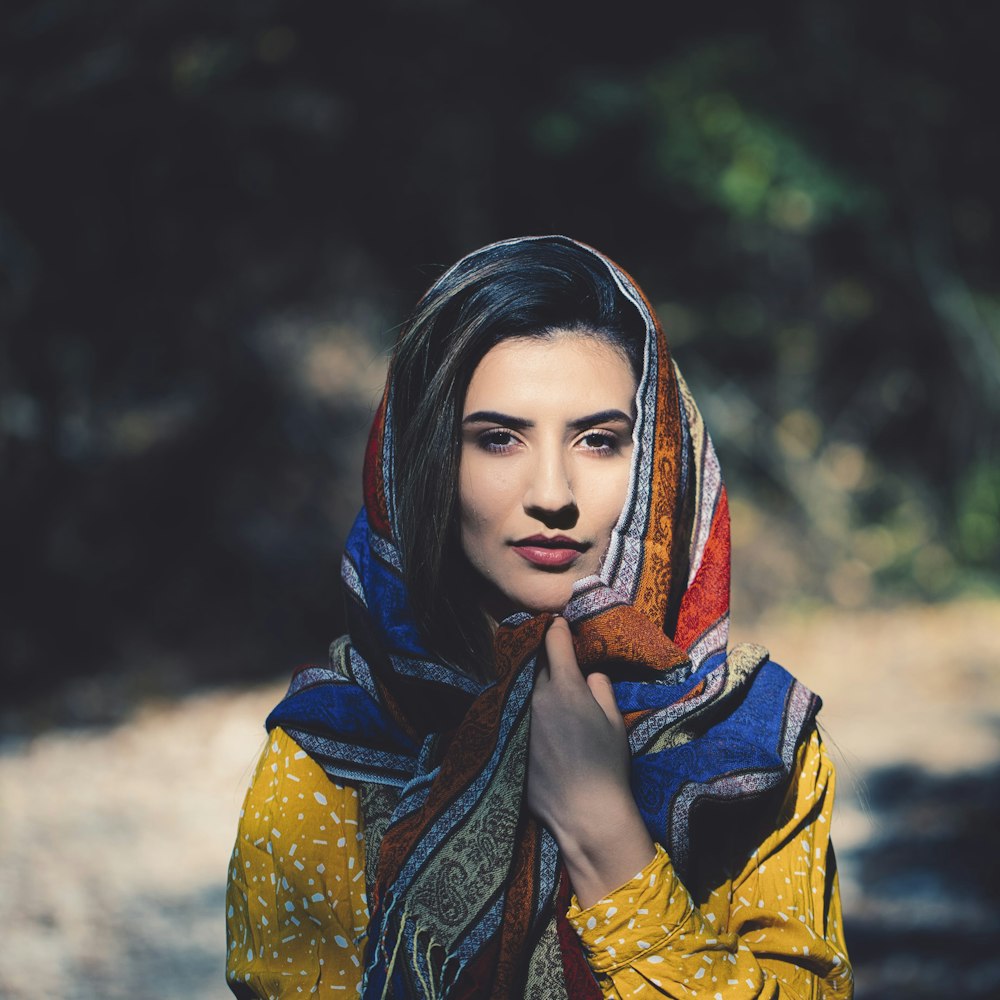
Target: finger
<point>604,695</point>
<point>560,653</point>
<point>542,675</point>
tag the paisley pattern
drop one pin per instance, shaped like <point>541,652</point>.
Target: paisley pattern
<point>469,897</point>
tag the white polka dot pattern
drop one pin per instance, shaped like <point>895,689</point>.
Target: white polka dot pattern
<point>296,907</point>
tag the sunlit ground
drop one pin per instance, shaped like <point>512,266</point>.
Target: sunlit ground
<point>114,842</point>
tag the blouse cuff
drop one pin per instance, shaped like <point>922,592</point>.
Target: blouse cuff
<point>636,918</point>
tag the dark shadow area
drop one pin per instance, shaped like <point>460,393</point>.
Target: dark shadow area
<point>929,921</point>
<point>212,559</point>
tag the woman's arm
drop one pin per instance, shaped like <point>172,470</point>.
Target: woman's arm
<point>296,910</point>
<point>774,932</point>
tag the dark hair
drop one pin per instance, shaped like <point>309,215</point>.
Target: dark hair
<point>528,288</point>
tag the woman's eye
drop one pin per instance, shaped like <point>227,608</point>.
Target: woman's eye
<point>602,441</point>
<point>497,441</point>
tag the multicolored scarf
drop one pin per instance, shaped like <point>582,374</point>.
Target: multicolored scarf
<point>468,892</point>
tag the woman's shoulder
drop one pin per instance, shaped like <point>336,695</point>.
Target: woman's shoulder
<point>289,783</point>
<point>814,769</point>
<point>809,796</point>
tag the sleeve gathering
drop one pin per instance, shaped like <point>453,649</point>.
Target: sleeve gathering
<point>774,932</point>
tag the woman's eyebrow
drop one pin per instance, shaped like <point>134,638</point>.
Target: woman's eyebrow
<point>602,417</point>
<point>495,417</point>
<point>519,423</point>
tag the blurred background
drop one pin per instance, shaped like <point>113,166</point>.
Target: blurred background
<point>213,218</point>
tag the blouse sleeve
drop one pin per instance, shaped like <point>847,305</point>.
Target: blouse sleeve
<point>296,911</point>
<point>775,932</point>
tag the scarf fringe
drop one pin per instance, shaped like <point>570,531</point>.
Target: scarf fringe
<point>433,987</point>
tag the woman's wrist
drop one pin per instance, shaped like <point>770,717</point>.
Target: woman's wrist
<point>607,852</point>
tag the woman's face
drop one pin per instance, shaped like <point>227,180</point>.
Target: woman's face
<point>545,460</point>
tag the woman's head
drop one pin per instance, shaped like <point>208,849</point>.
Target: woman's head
<point>543,304</point>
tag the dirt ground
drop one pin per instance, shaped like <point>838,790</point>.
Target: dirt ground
<point>113,842</point>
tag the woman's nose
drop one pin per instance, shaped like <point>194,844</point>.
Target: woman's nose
<point>549,492</point>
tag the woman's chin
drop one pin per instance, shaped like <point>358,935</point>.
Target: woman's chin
<point>550,602</point>
<point>549,595</point>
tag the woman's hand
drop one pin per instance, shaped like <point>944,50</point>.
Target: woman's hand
<point>578,773</point>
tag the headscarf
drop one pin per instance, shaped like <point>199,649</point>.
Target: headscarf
<point>469,894</point>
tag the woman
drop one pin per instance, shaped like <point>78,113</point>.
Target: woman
<point>531,768</point>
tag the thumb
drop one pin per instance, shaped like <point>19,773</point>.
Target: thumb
<point>604,695</point>
<point>560,654</point>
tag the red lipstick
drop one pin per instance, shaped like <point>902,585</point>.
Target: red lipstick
<point>555,552</point>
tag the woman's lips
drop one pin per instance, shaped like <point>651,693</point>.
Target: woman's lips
<point>554,552</point>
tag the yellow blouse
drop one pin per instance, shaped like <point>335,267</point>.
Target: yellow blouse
<point>297,913</point>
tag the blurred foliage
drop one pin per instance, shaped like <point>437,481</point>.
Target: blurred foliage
<point>213,215</point>
<point>979,515</point>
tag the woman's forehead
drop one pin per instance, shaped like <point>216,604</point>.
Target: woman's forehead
<point>566,369</point>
